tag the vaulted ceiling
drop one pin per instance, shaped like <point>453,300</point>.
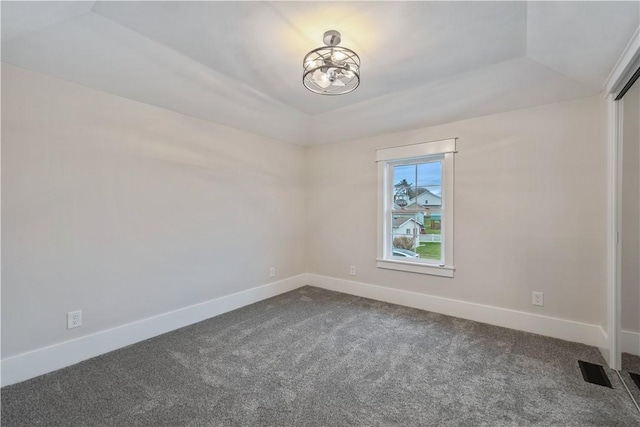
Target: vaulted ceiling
<point>240,63</point>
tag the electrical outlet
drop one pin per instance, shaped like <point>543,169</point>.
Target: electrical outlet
<point>272,272</point>
<point>537,298</point>
<point>352,270</point>
<point>74,319</point>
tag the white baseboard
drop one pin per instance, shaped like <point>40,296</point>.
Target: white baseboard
<point>47,359</point>
<point>543,325</point>
<point>630,342</point>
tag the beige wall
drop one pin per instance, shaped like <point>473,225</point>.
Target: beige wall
<point>126,211</point>
<point>530,210</point>
<point>630,202</point>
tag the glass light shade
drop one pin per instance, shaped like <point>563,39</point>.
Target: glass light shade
<point>331,70</point>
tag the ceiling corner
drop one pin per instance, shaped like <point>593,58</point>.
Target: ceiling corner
<point>20,18</point>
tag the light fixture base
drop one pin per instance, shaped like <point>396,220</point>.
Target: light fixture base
<point>331,38</point>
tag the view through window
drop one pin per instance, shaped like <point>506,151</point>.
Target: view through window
<point>416,223</point>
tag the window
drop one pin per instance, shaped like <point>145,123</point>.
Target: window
<point>415,214</point>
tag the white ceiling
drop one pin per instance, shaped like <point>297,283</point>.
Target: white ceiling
<point>240,63</point>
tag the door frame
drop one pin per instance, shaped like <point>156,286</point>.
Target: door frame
<point>626,65</point>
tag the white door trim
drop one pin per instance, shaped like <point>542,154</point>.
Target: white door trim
<point>623,69</point>
<point>625,66</point>
<point>614,154</point>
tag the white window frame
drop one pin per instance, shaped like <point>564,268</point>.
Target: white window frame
<point>416,153</point>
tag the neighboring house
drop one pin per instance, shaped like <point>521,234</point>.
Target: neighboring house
<point>428,217</point>
<point>427,199</point>
<point>420,212</point>
<point>430,209</point>
<point>407,227</point>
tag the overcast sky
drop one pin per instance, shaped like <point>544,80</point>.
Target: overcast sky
<point>427,175</point>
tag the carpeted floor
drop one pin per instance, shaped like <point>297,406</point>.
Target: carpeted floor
<point>631,363</point>
<point>317,358</point>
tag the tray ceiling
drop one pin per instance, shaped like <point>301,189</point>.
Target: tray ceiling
<point>240,63</point>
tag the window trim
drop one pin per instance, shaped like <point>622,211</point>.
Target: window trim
<point>387,158</point>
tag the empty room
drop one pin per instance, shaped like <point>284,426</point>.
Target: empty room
<point>320,213</point>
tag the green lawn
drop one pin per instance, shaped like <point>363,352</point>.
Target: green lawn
<point>429,250</point>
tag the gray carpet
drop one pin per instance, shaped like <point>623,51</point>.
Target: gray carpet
<point>317,358</point>
<point>631,363</point>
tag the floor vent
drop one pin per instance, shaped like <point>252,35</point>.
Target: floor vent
<point>635,378</point>
<point>594,374</point>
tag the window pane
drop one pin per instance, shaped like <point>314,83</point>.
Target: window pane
<point>429,185</point>
<point>405,234</point>
<point>404,185</point>
<point>429,191</point>
<point>430,240</point>
<point>430,173</point>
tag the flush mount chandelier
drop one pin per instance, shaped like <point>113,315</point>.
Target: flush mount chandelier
<point>331,69</point>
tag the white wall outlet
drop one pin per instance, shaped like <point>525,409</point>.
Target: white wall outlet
<point>272,272</point>
<point>352,270</point>
<point>537,298</point>
<point>74,319</point>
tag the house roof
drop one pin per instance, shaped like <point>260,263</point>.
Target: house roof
<point>427,193</point>
<point>401,220</point>
<point>416,207</point>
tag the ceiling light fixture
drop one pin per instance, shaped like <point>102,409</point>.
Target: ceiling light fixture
<point>331,69</point>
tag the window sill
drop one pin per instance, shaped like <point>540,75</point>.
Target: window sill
<point>413,267</point>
